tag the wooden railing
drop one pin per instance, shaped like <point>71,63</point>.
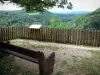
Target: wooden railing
<point>45,64</point>
<point>58,35</point>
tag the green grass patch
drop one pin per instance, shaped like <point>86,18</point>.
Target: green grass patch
<point>87,66</point>
<point>59,73</point>
<point>9,67</point>
<point>96,54</point>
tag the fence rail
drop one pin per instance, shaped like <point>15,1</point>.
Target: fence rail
<point>68,36</point>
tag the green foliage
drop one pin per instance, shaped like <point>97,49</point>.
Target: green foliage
<point>54,22</point>
<point>40,5</point>
<point>57,23</point>
<point>21,18</point>
<point>88,21</point>
<point>9,67</point>
<point>59,73</point>
<point>86,66</point>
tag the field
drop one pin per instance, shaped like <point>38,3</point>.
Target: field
<point>70,59</point>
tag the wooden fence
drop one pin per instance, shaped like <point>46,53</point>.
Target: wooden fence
<point>68,36</point>
<point>45,64</point>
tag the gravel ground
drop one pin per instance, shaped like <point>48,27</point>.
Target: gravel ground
<point>65,53</point>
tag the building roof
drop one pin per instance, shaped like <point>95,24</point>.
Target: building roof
<point>35,26</point>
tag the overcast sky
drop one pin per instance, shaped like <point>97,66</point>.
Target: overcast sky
<point>78,5</point>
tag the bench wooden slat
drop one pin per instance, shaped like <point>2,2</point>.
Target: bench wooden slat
<point>24,51</point>
<point>20,55</point>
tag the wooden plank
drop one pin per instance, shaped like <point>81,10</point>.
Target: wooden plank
<point>66,35</point>
<point>49,34</point>
<point>41,34</point>
<point>55,35</point>
<point>96,38</point>
<point>99,39</point>
<point>20,55</point>
<point>63,37</point>
<point>46,34</point>
<point>15,31</point>
<point>71,36</point>
<point>4,34</point>
<point>58,34</point>
<point>91,38</point>
<point>0,34</point>
<point>76,37</point>
<point>82,37</point>
<point>79,36</point>
<point>11,33</point>
<point>24,51</point>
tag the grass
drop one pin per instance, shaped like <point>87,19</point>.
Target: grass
<point>44,46</point>
<point>80,65</point>
<point>63,63</point>
<point>36,46</point>
<point>96,54</point>
<point>9,67</point>
<point>87,66</point>
<point>59,73</point>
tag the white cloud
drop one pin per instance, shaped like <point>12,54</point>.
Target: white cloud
<point>89,5</point>
<point>9,6</point>
<point>80,5</point>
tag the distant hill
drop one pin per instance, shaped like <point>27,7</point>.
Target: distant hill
<point>86,21</point>
<point>69,15</point>
<point>21,18</point>
<point>74,12</point>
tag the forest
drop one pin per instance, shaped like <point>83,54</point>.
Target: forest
<point>53,20</point>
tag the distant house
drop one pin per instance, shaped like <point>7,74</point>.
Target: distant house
<point>35,28</point>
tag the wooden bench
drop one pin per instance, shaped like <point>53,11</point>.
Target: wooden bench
<point>45,64</point>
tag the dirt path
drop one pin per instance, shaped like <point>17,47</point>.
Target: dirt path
<point>65,54</point>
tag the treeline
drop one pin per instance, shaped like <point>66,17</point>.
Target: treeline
<point>21,18</point>
<point>87,21</point>
<point>48,19</point>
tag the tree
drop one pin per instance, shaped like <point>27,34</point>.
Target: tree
<point>40,5</point>
<point>54,23</point>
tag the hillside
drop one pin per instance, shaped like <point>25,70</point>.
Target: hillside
<point>48,19</point>
<point>21,18</point>
<point>88,21</point>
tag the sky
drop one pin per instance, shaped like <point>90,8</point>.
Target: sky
<point>78,5</point>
